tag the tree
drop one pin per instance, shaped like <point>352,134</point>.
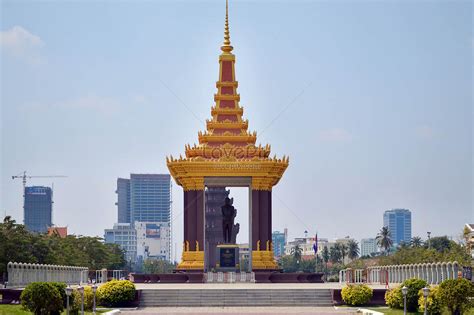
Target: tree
<point>441,243</point>
<point>353,249</point>
<point>416,241</point>
<point>342,248</point>
<point>19,245</point>
<point>457,295</point>
<point>384,239</point>
<point>325,255</point>
<point>297,251</point>
<point>335,254</point>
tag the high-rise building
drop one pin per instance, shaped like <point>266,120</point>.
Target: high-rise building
<point>144,217</point>
<point>279,242</point>
<point>38,208</point>
<point>144,198</point>
<point>123,200</point>
<point>150,197</point>
<point>398,222</point>
<point>124,235</point>
<point>368,246</point>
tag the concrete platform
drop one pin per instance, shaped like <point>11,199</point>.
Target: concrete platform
<point>248,286</point>
<point>240,310</point>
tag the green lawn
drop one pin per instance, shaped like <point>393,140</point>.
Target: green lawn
<point>389,311</point>
<point>6,309</point>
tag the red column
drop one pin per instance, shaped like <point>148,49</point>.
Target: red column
<point>255,219</point>
<point>200,218</point>
<point>190,209</point>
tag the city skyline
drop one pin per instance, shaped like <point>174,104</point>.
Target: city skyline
<point>421,161</point>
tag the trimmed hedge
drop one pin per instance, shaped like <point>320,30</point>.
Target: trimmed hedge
<point>358,294</point>
<point>43,298</point>
<point>116,293</point>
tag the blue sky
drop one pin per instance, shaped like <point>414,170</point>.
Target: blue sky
<point>372,101</point>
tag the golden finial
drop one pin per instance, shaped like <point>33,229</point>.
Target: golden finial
<point>226,47</point>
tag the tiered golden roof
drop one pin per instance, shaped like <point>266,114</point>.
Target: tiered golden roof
<point>227,148</point>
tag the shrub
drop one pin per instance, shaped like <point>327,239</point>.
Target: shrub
<point>433,303</point>
<point>116,293</point>
<point>42,298</point>
<point>457,295</point>
<point>414,286</point>
<point>88,299</point>
<point>356,294</point>
<point>394,298</point>
<point>61,286</point>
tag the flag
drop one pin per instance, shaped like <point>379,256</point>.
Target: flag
<point>315,245</point>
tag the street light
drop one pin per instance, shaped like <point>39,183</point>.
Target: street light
<point>429,239</point>
<point>81,291</point>
<point>426,292</point>
<point>68,294</point>
<point>94,289</point>
<point>404,291</point>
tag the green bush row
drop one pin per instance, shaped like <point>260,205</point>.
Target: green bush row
<point>457,295</point>
<point>49,298</point>
<point>358,294</point>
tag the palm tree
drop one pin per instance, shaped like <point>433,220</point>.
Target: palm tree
<point>353,249</point>
<point>343,249</point>
<point>416,241</point>
<point>296,251</point>
<point>335,254</point>
<point>384,239</point>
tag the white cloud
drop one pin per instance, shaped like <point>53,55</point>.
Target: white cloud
<point>20,43</point>
<point>334,135</point>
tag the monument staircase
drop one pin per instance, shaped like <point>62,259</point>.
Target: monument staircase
<point>235,297</point>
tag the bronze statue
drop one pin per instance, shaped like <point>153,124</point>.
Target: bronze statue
<point>228,216</point>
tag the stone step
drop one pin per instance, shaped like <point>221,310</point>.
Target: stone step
<point>237,297</point>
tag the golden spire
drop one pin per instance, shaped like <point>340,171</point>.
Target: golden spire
<point>226,47</point>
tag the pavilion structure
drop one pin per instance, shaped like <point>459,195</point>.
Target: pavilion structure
<point>227,156</point>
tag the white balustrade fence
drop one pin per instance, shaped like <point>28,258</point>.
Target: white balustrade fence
<point>350,275</point>
<point>21,274</point>
<point>433,273</point>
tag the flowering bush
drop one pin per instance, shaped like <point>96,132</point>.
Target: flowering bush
<point>356,294</point>
<point>433,302</point>
<point>116,293</point>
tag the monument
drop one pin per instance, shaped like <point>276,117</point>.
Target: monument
<point>227,156</point>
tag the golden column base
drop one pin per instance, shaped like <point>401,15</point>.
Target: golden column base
<point>191,260</point>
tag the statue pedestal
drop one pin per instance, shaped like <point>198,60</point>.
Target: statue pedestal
<point>228,258</point>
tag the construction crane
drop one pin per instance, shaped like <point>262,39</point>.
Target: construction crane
<point>23,176</point>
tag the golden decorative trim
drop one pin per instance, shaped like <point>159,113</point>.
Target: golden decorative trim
<point>226,97</point>
<point>233,84</point>
<point>263,259</point>
<point>211,124</point>
<point>190,173</point>
<point>239,110</point>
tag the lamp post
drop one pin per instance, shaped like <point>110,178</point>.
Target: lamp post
<point>429,239</point>
<point>404,291</point>
<point>426,292</point>
<point>68,294</point>
<point>94,290</point>
<point>81,291</point>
